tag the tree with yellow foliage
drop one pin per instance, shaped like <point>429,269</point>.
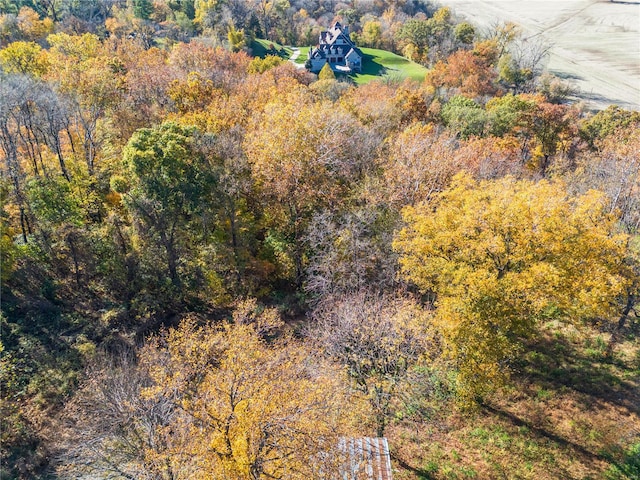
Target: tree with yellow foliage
<point>239,401</point>
<point>303,157</point>
<point>24,57</point>
<point>247,408</point>
<point>501,257</point>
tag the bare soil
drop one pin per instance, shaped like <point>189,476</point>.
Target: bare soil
<point>594,44</point>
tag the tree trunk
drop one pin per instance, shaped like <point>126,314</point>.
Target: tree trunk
<point>74,256</point>
<point>172,257</point>
<point>615,335</point>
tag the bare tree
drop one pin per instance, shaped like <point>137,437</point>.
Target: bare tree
<point>378,338</point>
<point>350,252</point>
<point>111,428</point>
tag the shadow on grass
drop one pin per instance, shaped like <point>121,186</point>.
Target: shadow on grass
<point>259,49</point>
<point>541,432</point>
<point>557,362</point>
<point>565,75</point>
<point>421,473</point>
<point>371,67</point>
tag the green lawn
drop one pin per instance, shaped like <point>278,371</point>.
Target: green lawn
<point>378,63</point>
<point>262,48</point>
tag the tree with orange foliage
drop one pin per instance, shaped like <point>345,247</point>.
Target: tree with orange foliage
<point>468,72</point>
<point>554,127</point>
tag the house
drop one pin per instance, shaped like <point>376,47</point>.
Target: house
<point>336,48</point>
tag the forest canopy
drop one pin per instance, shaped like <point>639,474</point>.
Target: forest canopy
<point>216,265</point>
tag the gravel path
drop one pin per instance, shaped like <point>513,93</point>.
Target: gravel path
<point>294,56</point>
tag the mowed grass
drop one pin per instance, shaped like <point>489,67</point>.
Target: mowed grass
<point>261,48</point>
<point>377,63</point>
<point>381,63</point>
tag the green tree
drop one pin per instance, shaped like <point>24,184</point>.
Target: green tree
<point>464,116</point>
<point>464,33</point>
<point>166,183</point>
<point>510,114</point>
<point>503,256</point>
<point>511,74</point>
<point>416,32</point>
<point>607,122</point>
<point>142,9</point>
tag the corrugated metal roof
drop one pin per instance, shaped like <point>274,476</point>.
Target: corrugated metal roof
<point>365,458</point>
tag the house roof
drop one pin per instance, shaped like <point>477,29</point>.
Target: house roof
<point>336,31</point>
<point>353,51</point>
<point>365,458</point>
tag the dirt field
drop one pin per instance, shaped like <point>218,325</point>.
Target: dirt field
<point>594,44</point>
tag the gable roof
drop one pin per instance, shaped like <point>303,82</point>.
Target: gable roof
<point>354,51</point>
<point>337,31</point>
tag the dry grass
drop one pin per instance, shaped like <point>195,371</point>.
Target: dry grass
<point>570,412</point>
<point>593,43</point>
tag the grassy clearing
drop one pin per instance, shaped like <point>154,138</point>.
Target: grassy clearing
<point>572,412</point>
<point>379,63</point>
<point>262,48</point>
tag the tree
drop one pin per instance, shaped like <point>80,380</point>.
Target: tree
<point>421,162</point>
<point>378,339</point>
<point>349,252</point>
<point>49,8</point>
<point>112,430</point>
<point>371,34</point>
<point>615,170</point>
<point>606,123</point>
<point>249,409</point>
<point>166,183</point>
<point>503,256</point>
<point>305,158</point>
<point>468,72</point>
<point>58,210</point>
<point>464,117</point>
<point>511,114</point>
<point>142,9</point>
<point>24,57</point>
<point>522,62</point>
<point>416,32</point>
<point>464,33</point>
<point>326,73</point>
<point>191,94</point>
<point>261,65</point>
<point>91,82</point>
<point>236,38</point>
<point>553,126</point>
